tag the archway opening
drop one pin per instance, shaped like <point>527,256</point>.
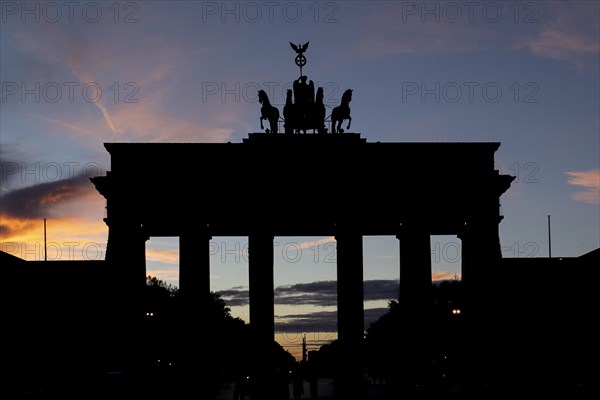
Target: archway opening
<point>305,293</point>
<point>162,259</point>
<point>229,273</point>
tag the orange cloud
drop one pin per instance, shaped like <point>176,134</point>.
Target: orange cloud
<point>164,256</point>
<point>318,242</point>
<point>590,181</point>
<point>20,229</point>
<point>444,276</point>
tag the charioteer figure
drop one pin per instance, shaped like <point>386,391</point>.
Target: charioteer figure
<point>304,109</point>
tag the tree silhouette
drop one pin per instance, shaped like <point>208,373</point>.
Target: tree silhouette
<point>193,348</point>
<point>386,338</point>
<point>188,345</point>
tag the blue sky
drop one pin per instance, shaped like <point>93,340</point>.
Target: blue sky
<point>76,75</point>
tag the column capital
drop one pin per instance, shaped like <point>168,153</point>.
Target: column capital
<point>411,228</point>
<point>262,230</point>
<point>194,263</point>
<point>196,229</point>
<point>345,229</point>
<point>128,228</point>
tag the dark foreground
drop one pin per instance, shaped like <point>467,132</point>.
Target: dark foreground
<point>116,386</point>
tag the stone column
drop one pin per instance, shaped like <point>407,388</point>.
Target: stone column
<point>194,263</point>
<point>126,261</point>
<point>350,299</point>
<point>415,269</point>
<point>483,309</point>
<point>262,313</point>
<point>414,350</point>
<point>126,256</point>
<point>262,309</point>
<point>350,288</point>
<point>195,351</point>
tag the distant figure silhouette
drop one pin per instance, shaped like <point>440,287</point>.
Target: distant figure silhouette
<point>288,113</point>
<point>268,112</point>
<point>239,387</point>
<point>314,385</point>
<point>281,385</point>
<point>297,383</point>
<point>304,93</point>
<point>304,99</point>
<point>319,111</point>
<point>341,112</point>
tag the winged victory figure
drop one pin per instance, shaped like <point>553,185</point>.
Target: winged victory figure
<point>301,48</point>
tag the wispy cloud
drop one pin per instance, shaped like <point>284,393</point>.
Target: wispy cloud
<point>147,121</point>
<point>559,30</point>
<point>237,296</point>
<point>314,243</point>
<point>319,294</point>
<point>165,256</point>
<point>381,289</point>
<point>589,181</point>
<point>82,71</point>
<point>397,34</point>
<point>145,98</point>
<point>320,321</point>
<point>561,45</point>
<point>324,293</point>
<point>74,128</point>
<point>569,32</point>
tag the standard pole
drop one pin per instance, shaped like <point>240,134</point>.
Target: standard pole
<point>549,240</point>
<point>45,246</point>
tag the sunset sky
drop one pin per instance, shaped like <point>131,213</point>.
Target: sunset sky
<point>77,74</point>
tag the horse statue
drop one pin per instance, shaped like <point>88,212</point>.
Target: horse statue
<point>268,112</point>
<point>341,112</point>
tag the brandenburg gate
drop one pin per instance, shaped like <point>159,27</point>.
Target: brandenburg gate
<point>304,185</point>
